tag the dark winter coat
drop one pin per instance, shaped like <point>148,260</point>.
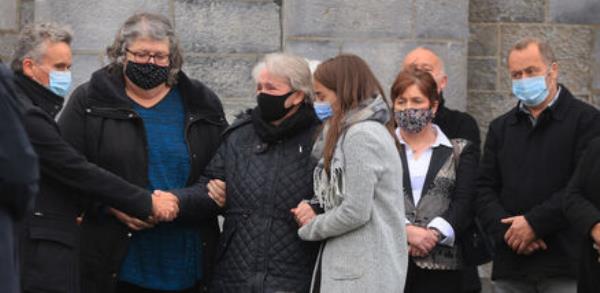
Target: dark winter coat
<point>259,250</point>
<point>100,122</point>
<point>50,238</point>
<point>19,174</point>
<point>525,170</point>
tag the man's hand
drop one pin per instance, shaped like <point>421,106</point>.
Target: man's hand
<point>421,239</point>
<point>165,206</point>
<point>303,213</point>
<point>595,234</point>
<point>520,234</point>
<point>216,191</point>
<point>535,245</point>
<point>415,252</point>
<point>131,222</point>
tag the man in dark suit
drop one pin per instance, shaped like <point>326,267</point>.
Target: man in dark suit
<point>18,180</point>
<point>454,123</point>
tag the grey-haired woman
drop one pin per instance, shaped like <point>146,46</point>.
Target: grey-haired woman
<point>142,118</point>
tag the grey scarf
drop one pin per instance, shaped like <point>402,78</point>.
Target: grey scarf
<point>329,188</point>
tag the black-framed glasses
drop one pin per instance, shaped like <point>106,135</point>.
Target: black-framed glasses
<point>144,57</point>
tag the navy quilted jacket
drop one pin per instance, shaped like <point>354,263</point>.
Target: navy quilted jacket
<point>259,250</point>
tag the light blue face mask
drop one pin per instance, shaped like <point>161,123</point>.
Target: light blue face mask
<point>60,82</point>
<point>531,91</point>
<point>323,110</point>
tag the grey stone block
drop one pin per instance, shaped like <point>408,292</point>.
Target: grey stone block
<point>566,41</point>
<point>27,12</point>
<point>384,58</point>
<point>342,18</point>
<point>506,10</point>
<point>314,50</point>
<point>596,60</point>
<point>95,23</point>
<point>83,67</point>
<point>228,26</point>
<point>454,56</point>
<point>8,15</point>
<point>482,74</point>
<point>575,11</point>
<point>229,76</point>
<point>483,40</point>
<point>486,106</point>
<point>572,46</point>
<point>442,19</point>
<point>7,45</point>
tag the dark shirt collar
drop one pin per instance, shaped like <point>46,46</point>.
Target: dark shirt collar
<point>40,95</point>
<point>556,110</point>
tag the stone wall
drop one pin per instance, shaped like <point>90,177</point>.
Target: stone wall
<point>223,39</point>
<point>572,27</point>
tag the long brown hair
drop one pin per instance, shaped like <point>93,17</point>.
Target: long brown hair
<point>353,82</point>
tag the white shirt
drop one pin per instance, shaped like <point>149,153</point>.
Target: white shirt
<point>418,168</point>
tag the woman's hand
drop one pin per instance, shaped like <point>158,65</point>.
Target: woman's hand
<point>421,240</point>
<point>217,191</point>
<point>303,213</point>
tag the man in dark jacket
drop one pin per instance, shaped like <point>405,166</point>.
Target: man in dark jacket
<point>530,153</point>
<point>51,235</point>
<point>18,180</point>
<point>455,124</point>
<point>265,160</point>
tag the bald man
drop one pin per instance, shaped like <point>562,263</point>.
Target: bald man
<point>454,124</point>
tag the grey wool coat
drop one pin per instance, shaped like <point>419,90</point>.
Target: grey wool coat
<point>364,226</point>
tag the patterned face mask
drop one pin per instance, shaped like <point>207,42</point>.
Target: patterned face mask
<point>413,120</point>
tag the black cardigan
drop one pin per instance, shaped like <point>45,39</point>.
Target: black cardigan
<point>582,207</point>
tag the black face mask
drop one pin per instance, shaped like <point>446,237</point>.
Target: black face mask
<point>146,75</point>
<point>272,108</point>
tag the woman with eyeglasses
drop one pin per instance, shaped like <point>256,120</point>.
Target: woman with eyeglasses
<point>143,119</point>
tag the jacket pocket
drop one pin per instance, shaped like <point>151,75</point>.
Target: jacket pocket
<point>50,261</point>
<point>225,239</point>
<point>346,260</point>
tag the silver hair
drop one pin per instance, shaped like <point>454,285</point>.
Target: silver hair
<point>293,68</point>
<point>443,65</point>
<point>152,26</point>
<point>33,40</point>
<point>544,47</point>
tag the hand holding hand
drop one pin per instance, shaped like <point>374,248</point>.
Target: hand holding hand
<point>303,213</point>
<point>165,206</point>
<point>535,245</point>
<point>520,234</point>
<point>131,222</point>
<point>415,252</point>
<point>217,191</point>
<point>424,240</point>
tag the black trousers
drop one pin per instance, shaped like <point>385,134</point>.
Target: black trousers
<point>420,280</point>
<point>124,287</point>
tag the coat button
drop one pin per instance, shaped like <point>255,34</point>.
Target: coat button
<point>204,244</point>
<point>194,156</point>
<point>56,107</point>
<point>130,115</point>
<point>191,118</point>
<point>129,235</point>
<point>114,275</point>
<point>88,110</point>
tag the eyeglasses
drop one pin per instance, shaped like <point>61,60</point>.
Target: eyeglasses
<point>143,57</point>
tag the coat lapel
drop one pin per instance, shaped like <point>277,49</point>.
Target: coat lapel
<point>406,174</point>
<point>438,158</point>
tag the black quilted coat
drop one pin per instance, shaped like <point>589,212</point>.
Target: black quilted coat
<point>259,250</point>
